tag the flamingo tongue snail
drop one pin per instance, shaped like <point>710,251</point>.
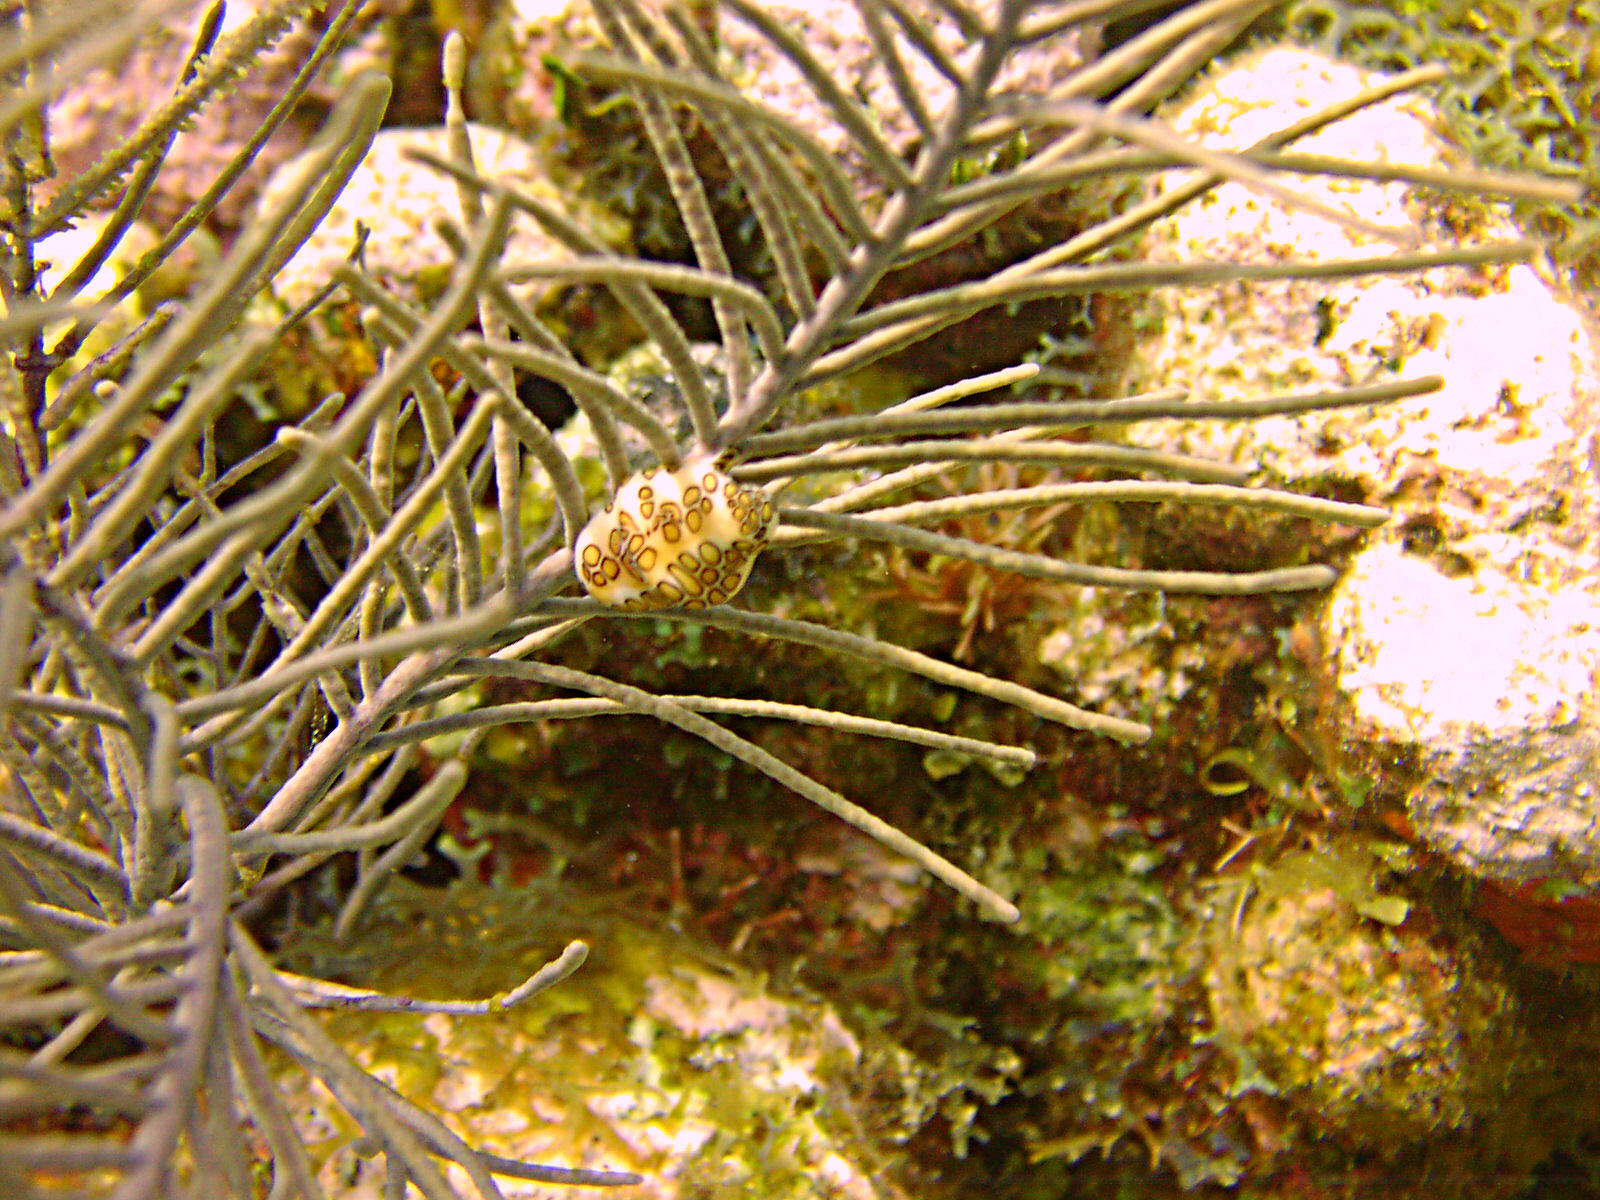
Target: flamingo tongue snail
<point>674,539</point>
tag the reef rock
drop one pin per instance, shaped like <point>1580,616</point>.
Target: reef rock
<point>398,199</point>
<point>99,109</point>
<point>651,1059</point>
<point>1464,636</point>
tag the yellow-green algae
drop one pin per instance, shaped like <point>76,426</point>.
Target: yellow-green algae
<point>1521,94</point>
<point>1379,1031</point>
<point>660,1056</point>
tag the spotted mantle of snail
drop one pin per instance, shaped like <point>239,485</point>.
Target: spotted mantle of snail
<point>683,538</point>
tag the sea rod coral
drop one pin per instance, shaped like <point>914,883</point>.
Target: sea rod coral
<point>219,663</point>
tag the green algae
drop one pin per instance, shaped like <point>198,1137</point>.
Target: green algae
<point>1106,935</point>
<point>1522,93</point>
<point>1381,1031</point>
<point>669,1057</point>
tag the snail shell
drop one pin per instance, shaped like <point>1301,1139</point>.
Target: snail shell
<point>674,539</point>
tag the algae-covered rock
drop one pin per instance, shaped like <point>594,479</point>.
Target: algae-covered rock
<point>833,31</point>
<point>532,77</point>
<point>1511,357</point>
<point>509,76</point>
<point>530,37</point>
<point>97,110</point>
<point>396,201</point>
<point>1376,1030</point>
<point>656,1057</point>
<point>1520,94</point>
<point>1107,945</point>
<point>1463,634</point>
<point>1466,634</point>
<point>1122,654</point>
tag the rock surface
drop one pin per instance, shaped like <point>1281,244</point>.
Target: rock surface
<point>1467,632</point>
<point>97,111</point>
<point>651,1059</point>
<point>398,200</point>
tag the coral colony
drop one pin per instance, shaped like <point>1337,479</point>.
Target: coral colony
<point>223,653</point>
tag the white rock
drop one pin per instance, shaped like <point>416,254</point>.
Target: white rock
<point>399,199</point>
<point>1467,633</point>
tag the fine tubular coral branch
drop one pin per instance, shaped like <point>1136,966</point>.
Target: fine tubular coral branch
<point>224,665</point>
